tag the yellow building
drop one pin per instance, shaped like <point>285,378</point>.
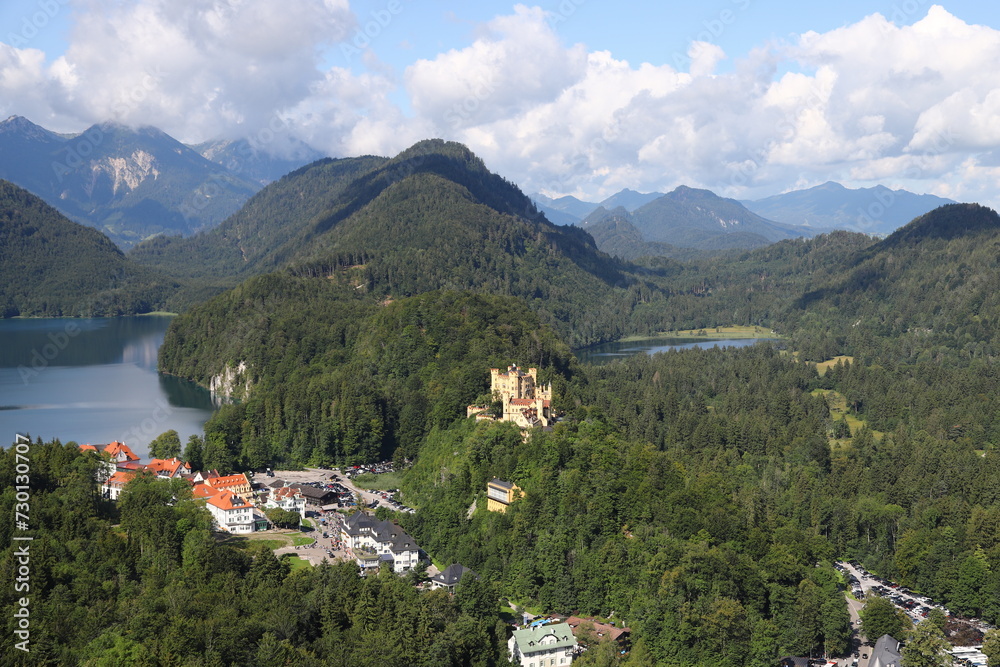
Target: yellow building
<point>500,494</point>
<point>525,402</point>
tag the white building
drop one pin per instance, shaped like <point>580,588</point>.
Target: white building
<point>371,541</point>
<point>289,499</point>
<point>230,512</point>
<point>543,646</point>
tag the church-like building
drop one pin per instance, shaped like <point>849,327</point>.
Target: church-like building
<point>525,402</point>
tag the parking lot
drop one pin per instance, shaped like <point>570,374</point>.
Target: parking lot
<point>339,481</point>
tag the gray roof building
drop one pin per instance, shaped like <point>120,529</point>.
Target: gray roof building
<point>886,653</point>
<point>450,576</point>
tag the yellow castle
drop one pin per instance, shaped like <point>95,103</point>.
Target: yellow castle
<point>525,402</point>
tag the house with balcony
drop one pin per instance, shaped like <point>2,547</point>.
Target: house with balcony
<point>371,541</point>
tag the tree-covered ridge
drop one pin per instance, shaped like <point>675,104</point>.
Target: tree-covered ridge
<point>338,377</point>
<point>51,266</point>
<point>145,582</point>
<point>255,239</point>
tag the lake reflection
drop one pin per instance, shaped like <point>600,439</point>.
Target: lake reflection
<point>608,352</point>
<point>93,380</point>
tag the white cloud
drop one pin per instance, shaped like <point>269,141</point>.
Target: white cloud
<point>195,68</point>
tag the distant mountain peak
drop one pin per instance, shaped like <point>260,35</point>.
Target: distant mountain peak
<point>21,125</point>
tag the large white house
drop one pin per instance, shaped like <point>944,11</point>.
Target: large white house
<point>371,542</point>
<point>543,646</point>
<point>229,511</point>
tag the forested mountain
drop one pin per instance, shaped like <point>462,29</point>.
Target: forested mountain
<point>685,218</point>
<point>630,200</point>
<point>434,217</point>
<point>129,183</point>
<point>876,210</point>
<point>52,266</point>
<point>698,496</point>
<point>267,231</point>
<point>616,235</point>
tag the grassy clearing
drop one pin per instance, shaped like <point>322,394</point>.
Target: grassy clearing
<point>508,614</point>
<point>244,543</point>
<point>712,332</point>
<point>383,482</point>
<point>830,363</point>
<point>302,541</point>
<point>297,563</point>
<point>838,410</point>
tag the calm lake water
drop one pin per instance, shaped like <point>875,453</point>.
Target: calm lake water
<point>93,381</point>
<point>608,352</point>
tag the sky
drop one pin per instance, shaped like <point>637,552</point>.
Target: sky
<point>747,98</point>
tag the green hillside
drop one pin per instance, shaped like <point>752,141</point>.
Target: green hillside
<point>335,376</point>
<point>434,217</point>
<point>51,266</point>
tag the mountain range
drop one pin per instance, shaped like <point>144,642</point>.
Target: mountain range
<point>134,183</point>
<point>876,210</point>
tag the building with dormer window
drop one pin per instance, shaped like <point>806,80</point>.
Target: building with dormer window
<point>543,646</point>
<point>371,542</point>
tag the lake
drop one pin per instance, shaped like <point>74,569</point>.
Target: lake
<point>93,381</point>
<point>608,352</point>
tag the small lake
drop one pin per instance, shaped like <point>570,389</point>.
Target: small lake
<point>608,352</point>
<point>93,381</point>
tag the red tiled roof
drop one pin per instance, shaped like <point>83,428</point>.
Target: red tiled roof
<point>121,477</point>
<point>602,630</point>
<point>225,500</point>
<point>521,401</point>
<point>170,467</point>
<point>203,491</point>
<point>115,447</point>
<point>88,448</point>
<point>229,480</point>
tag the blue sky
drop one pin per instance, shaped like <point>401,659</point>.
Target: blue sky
<point>744,97</point>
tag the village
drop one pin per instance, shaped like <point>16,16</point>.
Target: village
<point>338,516</point>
